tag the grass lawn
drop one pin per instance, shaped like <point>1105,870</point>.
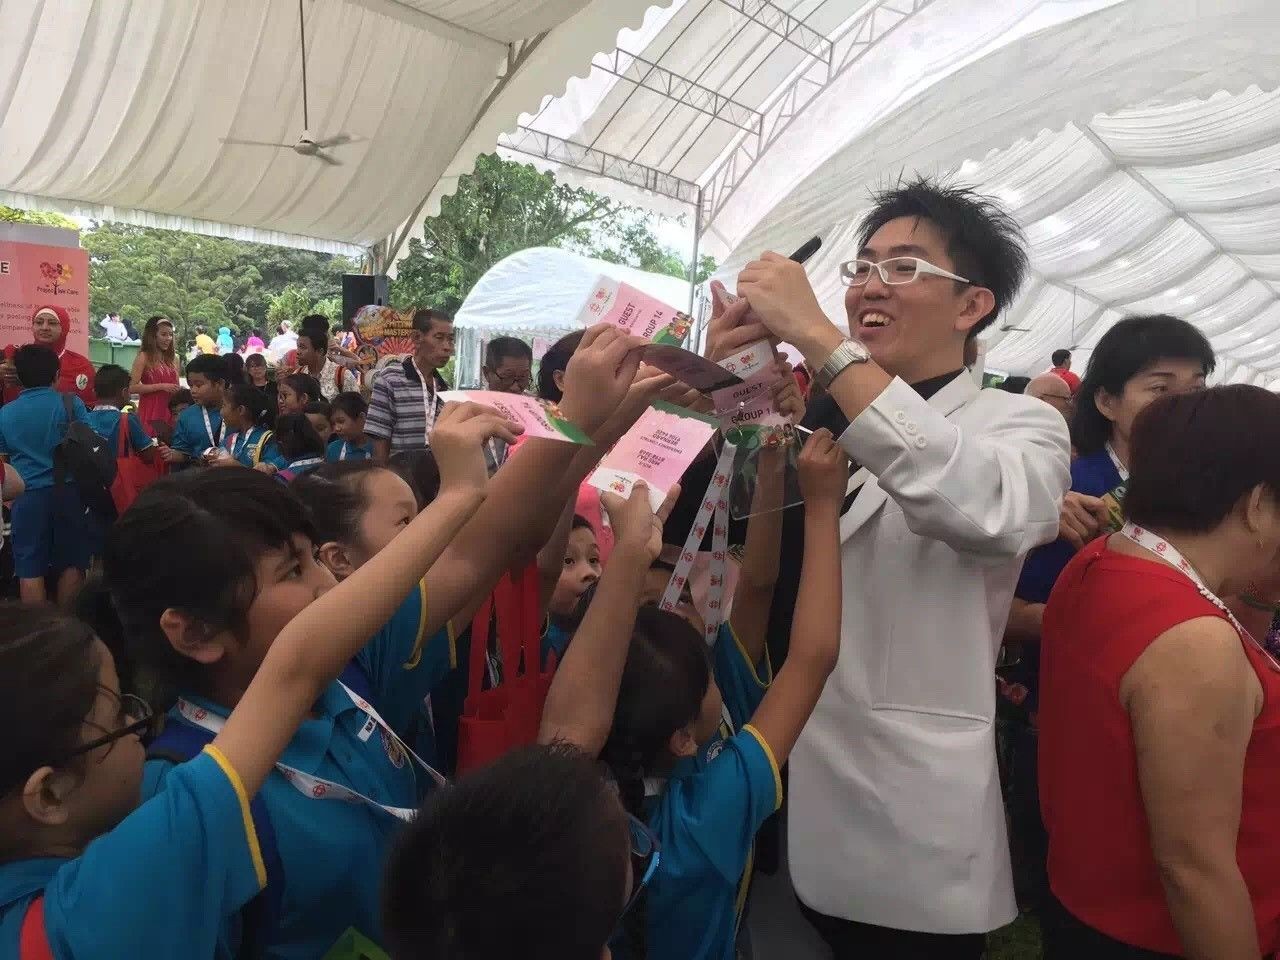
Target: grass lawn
<point>1018,941</point>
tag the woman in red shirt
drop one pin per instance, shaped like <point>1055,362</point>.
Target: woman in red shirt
<point>1159,716</point>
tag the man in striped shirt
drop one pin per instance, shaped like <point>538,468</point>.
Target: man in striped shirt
<point>405,397</point>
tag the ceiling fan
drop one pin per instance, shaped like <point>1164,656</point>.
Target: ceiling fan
<point>307,145</point>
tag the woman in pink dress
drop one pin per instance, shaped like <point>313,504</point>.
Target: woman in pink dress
<point>155,374</point>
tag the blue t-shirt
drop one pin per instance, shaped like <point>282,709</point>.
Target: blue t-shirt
<point>555,639</point>
<point>253,446</point>
<point>193,434</point>
<point>1093,475</point>
<point>162,883</point>
<point>333,852</point>
<point>105,421</point>
<point>707,819</point>
<point>31,426</point>
<point>341,450</point>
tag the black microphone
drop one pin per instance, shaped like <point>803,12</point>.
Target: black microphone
<point>810,247</point>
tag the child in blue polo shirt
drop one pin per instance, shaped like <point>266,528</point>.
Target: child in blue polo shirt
<point>49,530</point>
<point>111,387</point>
<point>89,873</point>
<point>359,508</point>
<point>249,442</point>
<point>703,796</point>
<point>300,447</point>
<point>347,421</point>
<point>198,431</point>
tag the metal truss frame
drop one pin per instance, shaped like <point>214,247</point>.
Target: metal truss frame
<point>831,60</point>
<point>546,146</point>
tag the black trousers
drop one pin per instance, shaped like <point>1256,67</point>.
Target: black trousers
<point>850,940</point>
<point>1068,938</point>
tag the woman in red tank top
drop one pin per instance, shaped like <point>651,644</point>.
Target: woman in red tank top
<point>155,374</point>
<point>1159,715</point>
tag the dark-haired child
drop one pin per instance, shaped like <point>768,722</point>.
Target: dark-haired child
<point>296,391</point>
<point>245,412</point>
<point>87,869</point>
<point>111,386</point>
<point>319,413</point>
<point>198,429</point>
<point>49,531</point>
<point>653,707</point>
<point>579,570</point>
<point>300,448</point>
<point>347,422</point>
<point>561,837</point>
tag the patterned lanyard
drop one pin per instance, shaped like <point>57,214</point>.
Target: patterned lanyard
<point>318,788</point>
<point>714,505</point>
<point>1168,552</point>
<point>208,428</point>
<point>428,403</point>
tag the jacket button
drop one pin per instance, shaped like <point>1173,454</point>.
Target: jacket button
<point>921,442</point>
<point>900,417</point>
<point>912,429</point>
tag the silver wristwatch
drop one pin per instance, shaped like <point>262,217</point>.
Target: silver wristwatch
<point>849,352</point>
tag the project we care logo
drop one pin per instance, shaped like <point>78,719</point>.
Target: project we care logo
<point>57,279</point>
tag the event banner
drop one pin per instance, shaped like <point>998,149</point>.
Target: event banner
<point>634,311</point>
<point>33,276</point>
<point>382,332</point>
<point>658,449</point>
<point>540,418</point>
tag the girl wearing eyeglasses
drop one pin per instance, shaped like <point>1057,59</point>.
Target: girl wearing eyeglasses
<point>652,709</point>
<point>85,871</point>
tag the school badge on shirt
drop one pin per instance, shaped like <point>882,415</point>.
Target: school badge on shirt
<point>82,381</point>
<point>395,752</point>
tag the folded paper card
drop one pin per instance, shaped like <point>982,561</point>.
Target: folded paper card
<point>538,417</point>
<point>657,449</point>
<point>698,372</point>
<point>634,311</point>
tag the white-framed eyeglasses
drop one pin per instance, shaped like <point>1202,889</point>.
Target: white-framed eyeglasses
<point>894,272</point>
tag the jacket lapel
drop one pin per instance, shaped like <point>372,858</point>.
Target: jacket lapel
<point>955,395</point>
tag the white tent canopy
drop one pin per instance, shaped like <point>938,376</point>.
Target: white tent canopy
<point>1134,140</point>
<point>537,294</point>
<point>115,109</point>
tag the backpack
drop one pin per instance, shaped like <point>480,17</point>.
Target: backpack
<point>179,742</point>
<point>88,460</point>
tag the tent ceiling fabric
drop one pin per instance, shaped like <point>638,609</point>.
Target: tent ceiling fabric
<point>115,109</point>
<point>1134,139</point>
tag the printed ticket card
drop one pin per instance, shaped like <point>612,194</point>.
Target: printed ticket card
<point>634,311</point>
<point>538,417</point>
<point>658,449</point>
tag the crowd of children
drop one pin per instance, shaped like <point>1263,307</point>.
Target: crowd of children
<point>248,651</point>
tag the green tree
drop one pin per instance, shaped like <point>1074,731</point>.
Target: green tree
<point>211,281</point>
<point>503,207</point>
<point>42,217</point>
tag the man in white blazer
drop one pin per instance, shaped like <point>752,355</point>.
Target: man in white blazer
<point>897,842</point>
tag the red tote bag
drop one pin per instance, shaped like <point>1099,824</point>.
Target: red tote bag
<point>132,475</point>
<point>506,716</point>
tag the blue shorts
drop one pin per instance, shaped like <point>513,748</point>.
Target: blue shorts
<point>49,532</point>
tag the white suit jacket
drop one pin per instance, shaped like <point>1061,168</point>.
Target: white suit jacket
<point>895,808</point>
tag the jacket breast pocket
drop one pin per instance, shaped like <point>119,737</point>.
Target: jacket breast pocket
<point>932,643</point>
